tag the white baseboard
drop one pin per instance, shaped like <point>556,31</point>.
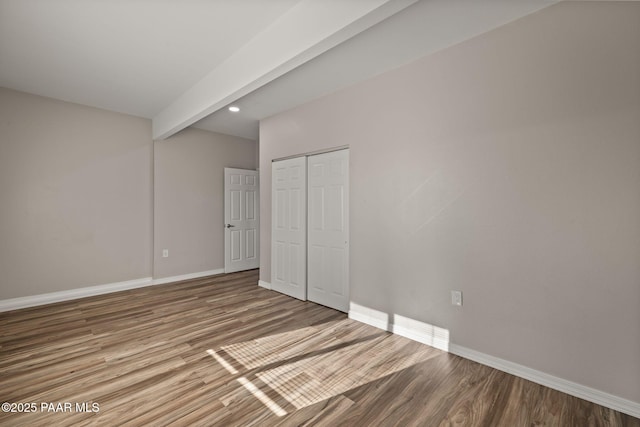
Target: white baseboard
<point>439,338</point>
<point>421,332</point>
<point>574,389</point>
<point>71,294</point>
<point>264,284</point>
<point>371,317</point>
<point>403,326</point>
<point>164,280</point>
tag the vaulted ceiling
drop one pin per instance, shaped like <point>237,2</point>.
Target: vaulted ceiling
<point>182,63</point>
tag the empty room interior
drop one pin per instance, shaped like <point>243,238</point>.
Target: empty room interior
<point>309,212</point>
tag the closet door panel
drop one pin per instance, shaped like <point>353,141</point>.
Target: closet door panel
<point>328,236</point>
<point>289,231</point>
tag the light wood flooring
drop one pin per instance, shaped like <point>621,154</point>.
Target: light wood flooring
<point>220,351</point>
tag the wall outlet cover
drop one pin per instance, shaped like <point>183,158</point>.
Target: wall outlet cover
<point>456,298</point>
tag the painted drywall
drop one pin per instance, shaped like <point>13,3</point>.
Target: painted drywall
<point>507,167</point>
<point>75,196</point>
<point>189,198</point>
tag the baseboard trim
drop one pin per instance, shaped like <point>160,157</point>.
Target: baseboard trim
<point>403,326</point>
<point>439,338</point>
<point>71,294</point>
<point>369,316</point>
<point>164,280</point>
<point>89,291</point>
<point>574,389</point>
<point>264,284</point>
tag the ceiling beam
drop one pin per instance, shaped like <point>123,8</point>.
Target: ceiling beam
<point>305,31</point>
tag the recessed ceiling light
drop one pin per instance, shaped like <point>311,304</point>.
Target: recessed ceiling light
<point>234,109</point>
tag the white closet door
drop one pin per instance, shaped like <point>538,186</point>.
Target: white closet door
<point>328,235</point>
<point>289,231</point>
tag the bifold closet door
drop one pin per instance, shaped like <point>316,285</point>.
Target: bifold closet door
<point>328,229</point>
<point>288,229</point>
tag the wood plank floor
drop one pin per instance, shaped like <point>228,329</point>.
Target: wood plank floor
<point>220,351</point>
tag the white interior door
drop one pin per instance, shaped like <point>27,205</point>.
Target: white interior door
<point>328,224</point>
<point>241,220</point>
<point>288,230</point>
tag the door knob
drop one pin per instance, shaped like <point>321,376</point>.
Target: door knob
<point>230,225</point>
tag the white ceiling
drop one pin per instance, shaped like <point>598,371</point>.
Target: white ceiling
<point>141,57</point>
<point>132,56</point>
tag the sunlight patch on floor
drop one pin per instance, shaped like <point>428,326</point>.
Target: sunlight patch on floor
<point>222,362</point>
<point>273,406</point>
<point>311,364</point>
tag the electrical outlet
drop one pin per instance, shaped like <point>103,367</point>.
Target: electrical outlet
<point>165,253</point>
<point>456,298</point>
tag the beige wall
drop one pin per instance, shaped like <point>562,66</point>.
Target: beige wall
<point>75,196</point>
<point>189,198</point>
<point>85,192</point>
<point>507,167</point>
